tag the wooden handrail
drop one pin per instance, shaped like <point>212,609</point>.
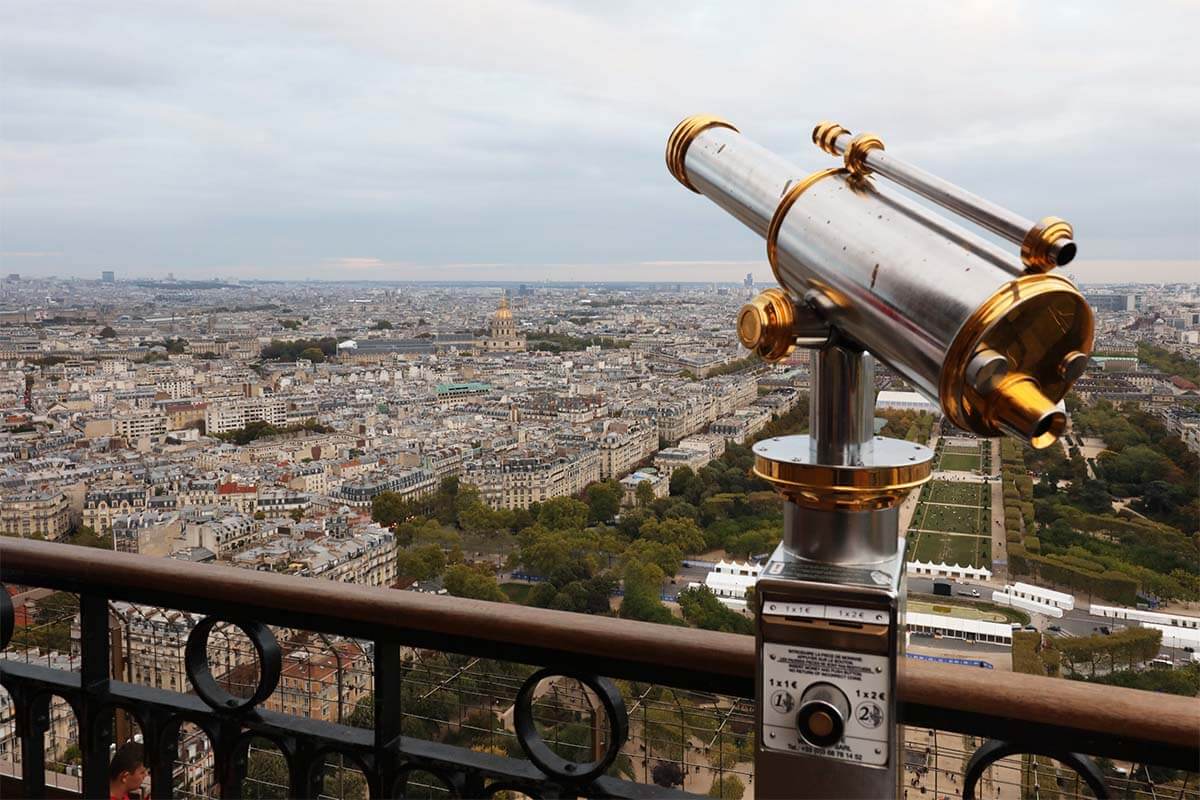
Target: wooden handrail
<point>1102,720</point>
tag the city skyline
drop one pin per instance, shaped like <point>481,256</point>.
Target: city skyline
<point>1084,271</point>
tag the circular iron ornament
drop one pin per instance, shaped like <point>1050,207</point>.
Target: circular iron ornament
<point>993,750</point>
<point>198,670</point>
<point>540,753</point>
<point>452,782</point>
<point>7,618</point>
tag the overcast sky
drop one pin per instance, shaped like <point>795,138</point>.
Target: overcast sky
<point>523,140</point>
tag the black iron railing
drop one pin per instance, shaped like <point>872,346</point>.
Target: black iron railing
<point>1008,713</point>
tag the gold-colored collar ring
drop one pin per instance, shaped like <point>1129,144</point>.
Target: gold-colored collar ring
<point>681,138</point>
<point>856,153</point>
<point>825,136</point>
<point>785,205</point>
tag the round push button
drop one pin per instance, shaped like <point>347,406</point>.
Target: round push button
<point>821,720</point>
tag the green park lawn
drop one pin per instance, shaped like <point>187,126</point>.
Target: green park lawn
<point>950,549</point>
<point>955,519</point>
<point>958,462</point>
<point>966,494</point>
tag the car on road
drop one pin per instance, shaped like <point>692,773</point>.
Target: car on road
<point>1054,628</point>
<point>969,592</point>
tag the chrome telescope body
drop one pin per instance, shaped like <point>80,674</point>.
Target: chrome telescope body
<point>995,340</point>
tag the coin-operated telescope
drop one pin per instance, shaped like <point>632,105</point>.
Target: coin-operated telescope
<point>864,273</point>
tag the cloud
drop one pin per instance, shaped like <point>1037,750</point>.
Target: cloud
<point>149,136</point>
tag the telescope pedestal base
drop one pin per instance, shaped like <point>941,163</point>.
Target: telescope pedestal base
<point>829,638</point>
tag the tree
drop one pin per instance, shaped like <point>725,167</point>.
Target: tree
<point>86,537</point>
<point>463,581</point>
<point>604,500</point>
<point>312,354</point>
<point>107,332</point>
<point>423,563</point>
<point>681,481</point>
<point>266,771</point>
<point>543,552</point>
<point>472,513</point>
<point>644,494</point>
<point>728,788</point>
<point>1091,496</point>
<point>681,532</point>
<point>388,508</point>
<point>381,325</point>
<point>420,531</point>
<point>702,609</point>
<point>563,514</point>
<point>666,557</point>
<point>643,594</point>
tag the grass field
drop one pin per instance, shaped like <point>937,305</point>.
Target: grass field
<point>958,462</point>
<point>950,548</point>
<point>1002,613</point>
<point>962,612</point>
<point>965,494</point>
<point>952,526</point>
<point>953,519</point>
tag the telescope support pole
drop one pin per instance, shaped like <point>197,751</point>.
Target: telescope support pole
<point>841,418</point>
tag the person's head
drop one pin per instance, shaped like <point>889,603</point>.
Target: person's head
<point>127,770</point>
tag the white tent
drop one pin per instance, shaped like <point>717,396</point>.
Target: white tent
<point>1004,598</point>
<point>943,570</point>
<point>958,628</point>
<point>1177,637</point>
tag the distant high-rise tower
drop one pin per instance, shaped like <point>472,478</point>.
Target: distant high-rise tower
<point>749,281</point>
<point>108,276</point>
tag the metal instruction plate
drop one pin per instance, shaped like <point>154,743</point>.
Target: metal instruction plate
<point>788,670</point>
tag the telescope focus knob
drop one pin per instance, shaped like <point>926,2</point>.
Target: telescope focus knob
<point>764,325</point>
<point>773,325</point>
<point>824,710</point>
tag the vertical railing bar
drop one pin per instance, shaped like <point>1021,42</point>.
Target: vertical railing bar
<point>95,726</point>
<point>32,719</point>
<point>389,674</point>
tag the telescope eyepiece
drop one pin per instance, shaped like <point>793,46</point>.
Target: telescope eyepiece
<point>1021,409</point>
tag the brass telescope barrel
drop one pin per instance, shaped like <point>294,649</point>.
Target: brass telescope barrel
<point>995,345</point>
